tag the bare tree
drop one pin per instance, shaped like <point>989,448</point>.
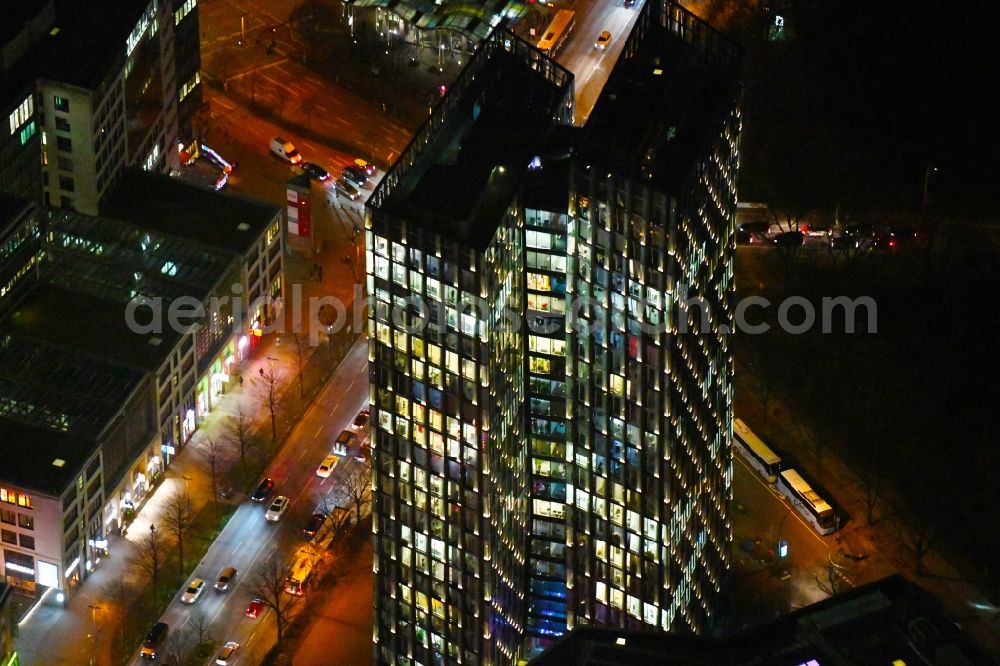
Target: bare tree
<point>200,623</point>
<point>921,536</point>
<point>212,453</point>
<point>266,386</point>
<point>176,647</point>
<point>178,515</point>
<point>300,345</point>
<point>121,596</point>
<point>829,579</point>
<point>241,435</point>
<point>268,583</point>
<point>152,548</point>
<point>357,490</point>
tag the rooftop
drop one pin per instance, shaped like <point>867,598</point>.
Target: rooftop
<point>890,619</point>
<point>83,43</point>
<point>49,472</point>
<point>170,206</point>
<point>80,321</point>
<point>462,170</point>
<point>470,16</point>
<point>660,106</point>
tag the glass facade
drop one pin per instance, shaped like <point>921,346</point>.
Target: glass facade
<point>551,409</point>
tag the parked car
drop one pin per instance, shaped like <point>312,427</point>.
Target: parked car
<point>347,189</point>
<point>326,467</point>
<point>277,509</point>
<point>253,610</point>
<point>361,420</point>
<point>263,490</point>
<point>193,591</point>
<point>227,653</point>
<point>153,640</point>
<point>752,232</point>
<point>603,40</point>
<point>367,167</point>
<point>354,176</point>
<point>313,524</point>
<point>315,171</point>
<point>345,440</point>
<point>285,150</point>
<point>789,239</point>
<point>226,576</point>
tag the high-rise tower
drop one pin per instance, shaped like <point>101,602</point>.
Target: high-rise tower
<point>550,374</point>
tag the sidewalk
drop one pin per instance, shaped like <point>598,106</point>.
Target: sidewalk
<point>53,635</point>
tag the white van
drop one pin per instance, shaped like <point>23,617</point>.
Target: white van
<point>285,150</point>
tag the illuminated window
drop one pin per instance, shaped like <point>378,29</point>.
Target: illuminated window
<point>184,10</point>
<point>22,114</point>
<point>188,86</point>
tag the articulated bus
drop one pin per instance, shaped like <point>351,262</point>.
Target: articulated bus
<point>557,33</point>
<point>757,453</point>
<point>301,572</point>
<point>813,508</point>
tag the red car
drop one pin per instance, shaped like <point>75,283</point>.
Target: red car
<point>253,610</point>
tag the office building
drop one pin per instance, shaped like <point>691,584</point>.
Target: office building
<point>94,405</point>
<point>550,377</point>
<point>890,621</point>
<point>91,87</point>
<point>8,657</point>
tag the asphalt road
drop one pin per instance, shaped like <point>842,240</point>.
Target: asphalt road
<point>248,539</point>
<point>589,65</point>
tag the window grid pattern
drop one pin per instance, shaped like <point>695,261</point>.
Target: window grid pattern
<point>447,430</point>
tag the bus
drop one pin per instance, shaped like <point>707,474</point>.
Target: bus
<point>807,502</point>
<point>300,575</point>
<point>558,32</point>
<point>756,452</point>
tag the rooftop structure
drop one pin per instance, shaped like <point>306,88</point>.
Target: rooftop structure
<point>55,459</point>
<point>890,621</point>
<point>198,215</point>
<point>71,42</point>
<point>461,170</point>
<point>663,100</point>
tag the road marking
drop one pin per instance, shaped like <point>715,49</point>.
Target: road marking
<point>319,430</point>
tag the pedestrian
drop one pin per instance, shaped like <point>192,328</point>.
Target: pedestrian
<point>261,371</point>
<point>241,380</point>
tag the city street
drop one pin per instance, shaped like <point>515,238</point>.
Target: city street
<point>249,540</point>
<point>590,66</point>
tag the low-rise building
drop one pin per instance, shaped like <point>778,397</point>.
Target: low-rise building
<point>93,400</point>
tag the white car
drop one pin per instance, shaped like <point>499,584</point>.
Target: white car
<point>226,653</point>
<point>193,591</point>
<point>277,508</point>
<point>326,467</point>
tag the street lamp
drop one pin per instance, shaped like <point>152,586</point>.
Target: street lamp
<point>927,180</point>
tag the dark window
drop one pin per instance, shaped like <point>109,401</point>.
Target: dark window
<point>64,144</point>
<point>60,103</point>
<point>8,536</point>
<point>27,541</point>
<point>26,521</point>
<point>67,203</point>
<point>62,124</point>
<point>8,516</point>
<point>66,184</point>
<point>65,163</point>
